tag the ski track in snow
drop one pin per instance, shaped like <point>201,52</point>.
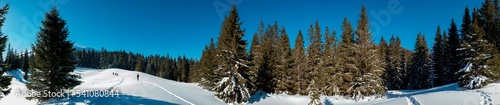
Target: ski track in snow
<point>169,92</point>
<point>114,86</point>
<point>412,100</point>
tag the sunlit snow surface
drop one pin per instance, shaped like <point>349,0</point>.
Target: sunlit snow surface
<point>152,90</point>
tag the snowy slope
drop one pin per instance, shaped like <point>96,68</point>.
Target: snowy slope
<point>152,90</point>
<point>149,90</point>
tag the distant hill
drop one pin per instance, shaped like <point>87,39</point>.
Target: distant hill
<point>85,48</point>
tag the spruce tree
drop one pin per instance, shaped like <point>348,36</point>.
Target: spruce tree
<point>394,77</point>
<point>53,64</point>
<point>329,86</point>
<point>4,80</point>
<point>256,59</point>
<point>283,81</point>
<point>209,64</point>
<point>298,66</point>
<point>466,23</point>
<point>139,64</point>
<point>420,65</point>
<point>314,55</point>
<point>26,65</point>
<point>369,81</point>
<point>314,94</point>
<point>488,19</point>
<point>9,59</point>
<point>233,60</point>
<point>452,59</point>
<point>346,63</point>
<point>438,58</point>
<point>483,61</point>
<point>383,49</point>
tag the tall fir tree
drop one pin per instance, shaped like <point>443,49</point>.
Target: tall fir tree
<point>256,58</point>
<point>299,65</point>
<point>482,65</point>
<point>233,60</point>
<point>4,80</point>
<point>488,18</point>
<point>394,71</point>
<point>369,81</point>
<point>346,62</point>
<point>452,59</point>
<point>420,65</point>
<point>438,58</point>
<point>209,64</point>
<point>466,24</point>
<point>329,86</point>
<point>53,64</point>
<point>283,81</point>
<point>26,65</point>
<point>314,55</point>
<point>139,64</point>
<point>382,49</point>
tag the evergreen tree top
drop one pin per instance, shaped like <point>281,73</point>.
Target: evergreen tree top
<point>363,27</point>
<point>347,32</point>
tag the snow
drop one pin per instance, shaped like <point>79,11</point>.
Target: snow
<point>158,91</point>
<point>467,68</point>
<point>149,90</point>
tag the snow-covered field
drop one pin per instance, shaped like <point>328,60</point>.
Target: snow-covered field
<point>152,90</point>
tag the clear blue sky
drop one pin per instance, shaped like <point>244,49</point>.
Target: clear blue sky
<point>184,27</point>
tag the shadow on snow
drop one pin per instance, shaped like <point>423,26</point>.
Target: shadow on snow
<point>122,99</point>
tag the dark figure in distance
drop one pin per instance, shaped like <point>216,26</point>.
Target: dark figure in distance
<point>137,77</point>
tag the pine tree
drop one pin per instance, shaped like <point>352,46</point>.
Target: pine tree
<point>466,23</point>
<point>266,81</point>
<point>10,59</point>
<point>488,19</point>
<point>208,63</point>
<point>52,63</point>
<point>382,48</point>
<point>138,64</point>
<point>104,61</point>
<point>4,80</point>
<point>394,71</point>
<point>329,86</point>
<point>452,59</point>
<point>299,65</point>
<point>420,65</point>
<point>314,55</point>
<point>283,84</point>
<point>438,58</point>
<point>406,57</point>
<point>483,57</point>
<point>315,94</point>
<point>233,60</point>
<point>256,59</point>
<point>369,81</point>
<point>26,65</point>
<point>346,66</point>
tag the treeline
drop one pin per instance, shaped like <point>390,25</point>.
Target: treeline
<point>17,60</point>
<point>352,66</point>
<point>173,68</point>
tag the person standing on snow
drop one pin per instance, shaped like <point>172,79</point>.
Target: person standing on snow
<point>137,77</point>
